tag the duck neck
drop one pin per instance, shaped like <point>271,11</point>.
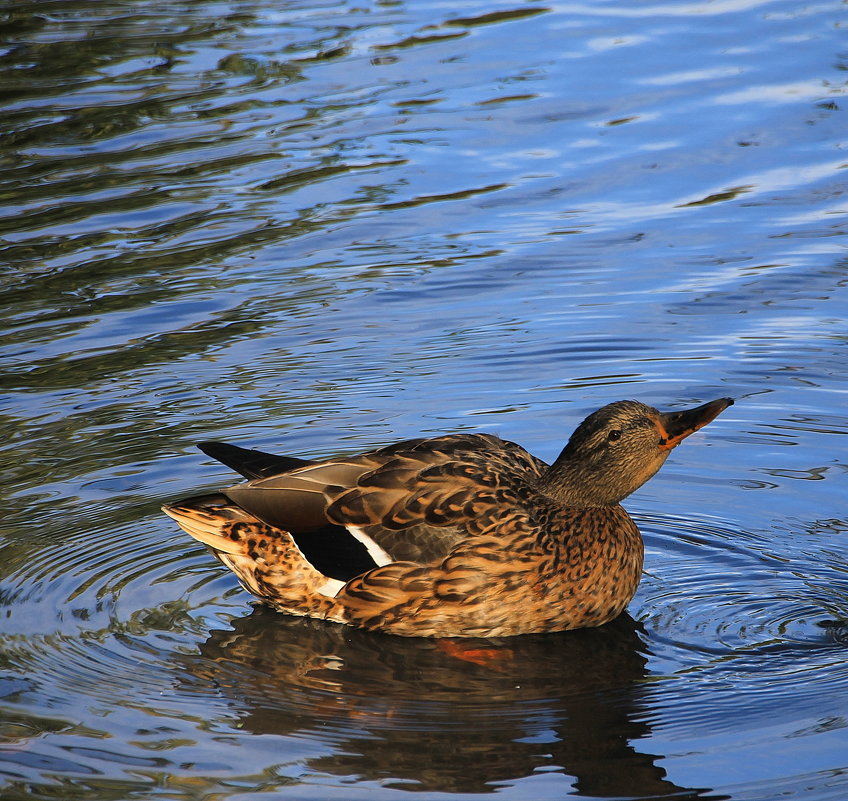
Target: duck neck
<point>571,484</point>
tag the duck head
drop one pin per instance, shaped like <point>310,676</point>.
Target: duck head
<point>618,448</point>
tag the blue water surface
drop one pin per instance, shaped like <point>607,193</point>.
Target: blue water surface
<point>320,227</point>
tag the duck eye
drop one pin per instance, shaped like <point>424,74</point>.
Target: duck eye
<point>614,435</point>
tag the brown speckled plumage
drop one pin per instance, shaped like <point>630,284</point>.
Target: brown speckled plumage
<point>464,535</point>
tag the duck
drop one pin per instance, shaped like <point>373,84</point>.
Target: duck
<point>459,535</point>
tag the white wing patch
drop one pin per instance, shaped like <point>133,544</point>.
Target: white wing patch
<point>374,550</point>
<point>330,587</point>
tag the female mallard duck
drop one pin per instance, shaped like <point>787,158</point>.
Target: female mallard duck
<point>464,535</point>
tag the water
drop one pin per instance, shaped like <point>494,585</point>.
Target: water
<point>321,227</point>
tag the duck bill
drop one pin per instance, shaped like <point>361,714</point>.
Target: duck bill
<point>676,426</point>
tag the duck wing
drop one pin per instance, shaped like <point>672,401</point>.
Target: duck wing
<point>409,501</point>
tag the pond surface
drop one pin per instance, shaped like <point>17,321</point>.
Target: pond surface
<point>320,227</point>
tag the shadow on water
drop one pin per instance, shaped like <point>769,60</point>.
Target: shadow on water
<point>446,715</point>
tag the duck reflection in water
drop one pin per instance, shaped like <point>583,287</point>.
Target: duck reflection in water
<point>461,715</point>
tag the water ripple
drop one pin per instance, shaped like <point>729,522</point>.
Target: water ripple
<point>708,583</point>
